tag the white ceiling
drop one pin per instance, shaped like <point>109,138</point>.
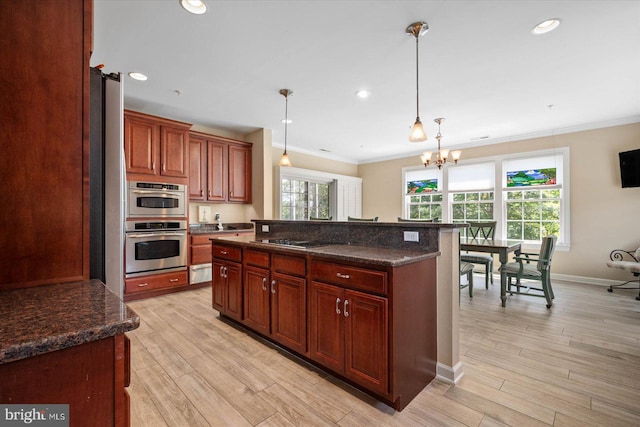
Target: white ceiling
<point>480,68</point>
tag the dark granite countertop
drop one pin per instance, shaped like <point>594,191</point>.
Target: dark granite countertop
<point>42,319</point>
<point>371,255</point>
<point>230,228</point>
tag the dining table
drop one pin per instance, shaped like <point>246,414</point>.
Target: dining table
<point>501,247</point>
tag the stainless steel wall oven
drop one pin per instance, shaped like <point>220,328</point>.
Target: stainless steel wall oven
<point>155,247</point>
<point>153,199</point>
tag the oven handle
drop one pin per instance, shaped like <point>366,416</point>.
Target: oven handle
<point>156,193</point>
<point>145,235</point>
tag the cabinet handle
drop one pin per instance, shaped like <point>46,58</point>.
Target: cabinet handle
<point>164,167</point>
<point>223,252</point>
<point>343,276</point>
<point>153,166</point>
<point>337,305</point>
<point>173,280</point>
<point>346,313</point>
<point>142,285</point>
<point>264,283</point>
<point>209,193</point>
<point>226,271</point>
<point>221,271</point>
<point>273,284</point>
<point>201,193</point>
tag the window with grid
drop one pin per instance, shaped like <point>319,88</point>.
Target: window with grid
<point>302,199</point>
<point>471,193</point>
<point>423,196</point>
<point>533,200</point>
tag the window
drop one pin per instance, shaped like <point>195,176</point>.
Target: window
<point>533,214</point>
<point>423,197</point>
<point>527,194</point>
<point>303,199</point>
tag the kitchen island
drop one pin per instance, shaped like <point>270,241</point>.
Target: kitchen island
<point>66,344</point>
<point>354,299</point>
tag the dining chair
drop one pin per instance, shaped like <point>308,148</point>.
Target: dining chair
<point>481,230</point>
<point>535,267</point>
<point>414,220</point>
<point>350,218</point>
<point>466,269</point>
<point>314,218</point>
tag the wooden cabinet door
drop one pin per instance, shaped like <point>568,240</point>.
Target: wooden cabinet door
<point>366,340</point>
<point>140,143</point>
<point>239,174</point>
<point>326,325</point>
<point>233,295</point>
<point>197,168</point>
<point>288,311</point>
<point>218,285</point>
<point>256,299</point>
<point>217,185</point>
<point>174,157</point>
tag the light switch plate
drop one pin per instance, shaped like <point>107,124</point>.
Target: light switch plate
<point>411,236</point>
<point>265,228</point>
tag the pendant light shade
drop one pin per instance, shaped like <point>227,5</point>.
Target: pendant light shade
<point>416,30</point>
<point>284,159</point>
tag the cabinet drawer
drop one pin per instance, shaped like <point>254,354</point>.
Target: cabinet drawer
<point>350,277</point>
<point>156,281</point>
<point>227,252</point>
<point>201,239</point>
<point>257,258</point>
<point>200,254</point>
<point>289,264</point>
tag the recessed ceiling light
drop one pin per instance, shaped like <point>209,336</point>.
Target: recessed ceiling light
<point>546,26</point>
<point>287,121</point>
<point>137,76</point>
<point>196,7</point>
<point>363,94</point>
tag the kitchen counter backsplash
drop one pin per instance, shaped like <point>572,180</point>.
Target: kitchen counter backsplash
<point>232,227</point>
<point>376,234</point>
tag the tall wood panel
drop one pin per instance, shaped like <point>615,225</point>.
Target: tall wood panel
<point>44,129</point>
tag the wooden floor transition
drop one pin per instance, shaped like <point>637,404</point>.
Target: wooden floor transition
<point>577,364</point>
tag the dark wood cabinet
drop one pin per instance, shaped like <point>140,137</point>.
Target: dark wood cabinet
<point>155,148</point>
<point>275,298</point>
<point>140,287</point>
<point>349,334</point>
<point>222,170</point>
<point>226,281</point>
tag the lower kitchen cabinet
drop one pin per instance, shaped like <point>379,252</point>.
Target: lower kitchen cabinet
<point>349,334</point>
<point>275,302</point>
<point>143,286</point>
<point>226,280</point>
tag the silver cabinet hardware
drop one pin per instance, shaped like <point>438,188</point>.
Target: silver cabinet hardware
<point>343,276</point>
<point>338,306</point>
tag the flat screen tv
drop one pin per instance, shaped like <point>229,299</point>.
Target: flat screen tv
<point>630,168</point>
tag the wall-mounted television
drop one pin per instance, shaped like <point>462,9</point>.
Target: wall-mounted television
<point>630,168</point>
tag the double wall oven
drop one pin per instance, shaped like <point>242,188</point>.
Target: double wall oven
<point>156,229</point>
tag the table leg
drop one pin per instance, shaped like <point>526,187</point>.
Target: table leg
<point>503,277</point>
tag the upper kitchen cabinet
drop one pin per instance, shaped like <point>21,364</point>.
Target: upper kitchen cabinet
<point>220,169</point>
<point>156,149</point>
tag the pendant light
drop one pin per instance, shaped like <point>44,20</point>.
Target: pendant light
<point>284,160</point>
<point>417,29</point>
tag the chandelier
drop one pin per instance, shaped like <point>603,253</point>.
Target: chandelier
<point>284,160</point>
<point>417,29</point>
<point>442,154</point>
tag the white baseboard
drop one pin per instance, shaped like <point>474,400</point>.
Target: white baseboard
<point>448,374</point>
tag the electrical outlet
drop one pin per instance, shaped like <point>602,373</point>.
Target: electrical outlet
<point>411,236</point>
<point>265,228</point>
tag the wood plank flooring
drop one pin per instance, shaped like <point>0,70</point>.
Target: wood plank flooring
<point>577,364</point>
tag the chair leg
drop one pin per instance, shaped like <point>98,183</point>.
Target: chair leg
<point>491,271</point>
<point>486,276</point>
<point>470,279</point>
<point>546,288</point>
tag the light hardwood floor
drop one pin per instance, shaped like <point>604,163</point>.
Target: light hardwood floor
<point>577,364</point>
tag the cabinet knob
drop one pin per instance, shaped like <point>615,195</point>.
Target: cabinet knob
<point>338,306</point>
